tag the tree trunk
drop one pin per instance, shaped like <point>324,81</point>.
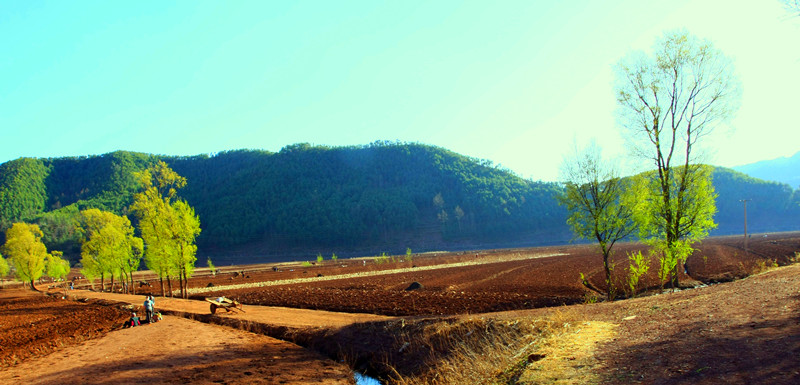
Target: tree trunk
<point>102,282</point>
<point>169,284</point>
<point>33,287</point>
<point>180,282</point>
<point>162,286</point>
<point>610,294</point>
<point>133,287</point>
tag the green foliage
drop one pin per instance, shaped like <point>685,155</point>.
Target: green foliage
<point>211,266</point>
<point>169,226</point>
<point>60,229</point>
<point>638,266</point>
<point>594,196</point>
<point>671,226</point>
<point>25,249</point>
<point>186,227</point>
<point>55,266</point>
<point>320,258</point>
<point>23,192</point>
<point>314,195</point>
<point>332,197</point>
<point>109,245</point>
<point>334,257</point>
<point>4,267</point>
<point>771,207</point>
<point>383,258</point>
<point>306,264</point>
<point>106,182</point>
<point>668,101</point>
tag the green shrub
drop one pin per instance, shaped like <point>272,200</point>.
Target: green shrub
<point>637,267</point>
<point>211,266</point>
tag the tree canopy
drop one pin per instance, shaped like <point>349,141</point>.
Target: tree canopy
<point>669,101</point>
<point>55,266</point>
<point>110,248</point>
<point>4,267</point>
<point>598,210</point>
<point>351,200</point>
<point>27,252</point>
<point>168,224</point>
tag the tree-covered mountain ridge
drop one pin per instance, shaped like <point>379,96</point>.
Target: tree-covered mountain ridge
<point>383,197</point>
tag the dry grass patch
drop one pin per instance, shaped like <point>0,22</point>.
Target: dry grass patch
<point>553,350</point>
<point>569,355</point>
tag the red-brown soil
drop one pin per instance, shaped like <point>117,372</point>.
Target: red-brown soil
<point>33,324</point>
<point>512,284</point>
<point>45,340</point>
<point>741,332</point>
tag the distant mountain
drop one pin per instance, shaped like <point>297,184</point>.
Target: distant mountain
<point>256,206</point>
<point>784,170</point>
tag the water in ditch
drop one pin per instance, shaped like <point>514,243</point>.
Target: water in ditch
<point>363,379</point>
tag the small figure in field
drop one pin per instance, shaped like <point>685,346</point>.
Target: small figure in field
<point>148,308</point>
<point>133,321</point>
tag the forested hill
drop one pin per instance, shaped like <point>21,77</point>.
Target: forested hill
<point>304,200</point>
<point>389,196</point>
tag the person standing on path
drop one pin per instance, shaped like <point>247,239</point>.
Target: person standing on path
<point>148,308</point>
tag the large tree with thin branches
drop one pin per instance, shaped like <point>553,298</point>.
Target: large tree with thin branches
<point>669,102</point>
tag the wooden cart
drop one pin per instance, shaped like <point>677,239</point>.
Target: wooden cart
<point>224,303</point>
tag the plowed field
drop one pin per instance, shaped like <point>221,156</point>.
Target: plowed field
<point>481,282</point>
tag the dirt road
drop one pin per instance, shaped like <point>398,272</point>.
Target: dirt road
<point>275,316</point>
<point>180,350</point>
<point>177,350</point>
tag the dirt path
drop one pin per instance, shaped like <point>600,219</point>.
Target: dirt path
<point>274,316</point>
<point>178,350</point>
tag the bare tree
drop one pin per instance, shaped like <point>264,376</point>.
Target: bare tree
<point>669,101</point>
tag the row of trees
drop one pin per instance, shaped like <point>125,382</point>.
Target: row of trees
<point>168,225</point>
<point>348,198</point>
<point>29,256</point>
<point>668,102</point>
<point>109,249</point>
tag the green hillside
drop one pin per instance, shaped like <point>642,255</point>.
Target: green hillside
<point>304,200</point>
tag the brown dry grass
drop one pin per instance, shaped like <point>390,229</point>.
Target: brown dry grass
<point>553,350</point>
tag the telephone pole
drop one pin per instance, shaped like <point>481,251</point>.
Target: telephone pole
<point>745,222</point>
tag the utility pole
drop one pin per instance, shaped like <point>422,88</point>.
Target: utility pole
<point>745,222</point>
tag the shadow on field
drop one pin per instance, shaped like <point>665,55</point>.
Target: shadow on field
<point>757,352</point>
<point>224,364</point>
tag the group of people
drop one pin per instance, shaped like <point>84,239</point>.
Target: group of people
<point>151,315</point>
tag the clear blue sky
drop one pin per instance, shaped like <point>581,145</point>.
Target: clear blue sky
<point>515,82</point>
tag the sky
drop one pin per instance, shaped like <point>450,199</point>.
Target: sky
<point>514,82</point>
